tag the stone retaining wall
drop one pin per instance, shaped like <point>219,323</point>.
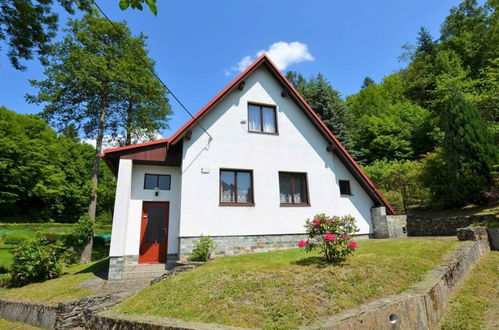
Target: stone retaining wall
<point>442,226</point>
<point>419,308</point>
<point>67,315</point>
<point>39,315</point>
<point>234,245</point>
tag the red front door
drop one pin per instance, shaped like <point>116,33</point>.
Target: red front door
<point>154,232</point>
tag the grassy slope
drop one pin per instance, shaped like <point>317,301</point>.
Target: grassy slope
<point>56,290</point>
<point>462,211</point>
<point>478,296</point>
<point>288,288</point>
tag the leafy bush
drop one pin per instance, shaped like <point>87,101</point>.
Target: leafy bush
<point>3,269</point>
<point>202,249</point>
<point>400,182</point>
<point>332,235</point>
<point>36,261</point>
<point>14,239</point>
<point>53,237</point>
<point>488,224</point>
<point>75,241</point>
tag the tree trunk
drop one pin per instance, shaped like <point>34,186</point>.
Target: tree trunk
<point>86,255</point>
<point>128,124</point>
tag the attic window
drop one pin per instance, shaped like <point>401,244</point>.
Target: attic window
<point>345,187</point>
<point>262,119</point>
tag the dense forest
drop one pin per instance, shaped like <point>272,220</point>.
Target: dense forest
<point>427,134</point>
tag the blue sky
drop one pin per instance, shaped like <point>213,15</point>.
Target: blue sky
<point>197,45</point>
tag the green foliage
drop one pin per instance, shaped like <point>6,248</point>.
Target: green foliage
<point>384,124</point>
<point>45,175</point>
<point>462,170</point>
<point>27,27</point>
<point>325,101</point>
<point>400,182</point>
<point>82,230</point>
<point>332,235</point>
<point>95,81</point>
<point>12,239</point>
<point>202,249</point>
<point>137,4</point>
<point>36,261</point>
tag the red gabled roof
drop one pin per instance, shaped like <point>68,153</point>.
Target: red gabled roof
<point>265,60</point>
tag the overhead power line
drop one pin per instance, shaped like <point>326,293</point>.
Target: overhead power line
<point>150,68</point>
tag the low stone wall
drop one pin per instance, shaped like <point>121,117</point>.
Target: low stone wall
<point>442,226</point>
<point>67,315</point>
<point>397,226</point>
<point>419,308</point>
<point>39,315</point>
<point>119,321</point>
<point>234,245</point>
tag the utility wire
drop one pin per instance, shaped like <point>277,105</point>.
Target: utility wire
<point>150,68</point>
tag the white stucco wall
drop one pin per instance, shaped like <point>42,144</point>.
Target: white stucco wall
<point>299,147</point>
<point>126,234</point>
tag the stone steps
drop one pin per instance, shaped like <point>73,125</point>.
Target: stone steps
<point>144,271</point>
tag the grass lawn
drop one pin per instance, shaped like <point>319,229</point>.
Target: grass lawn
<point>4,324</point>
<point>29,230</point>
<point>286,289</point>
<point>56,290</point>
<point>476,305</point>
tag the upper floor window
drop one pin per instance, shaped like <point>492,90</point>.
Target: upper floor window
<point>293,189</point>
<point>345,187</point>
<point>236,187</point>
<point>262,119</point>
<point>151,181</point>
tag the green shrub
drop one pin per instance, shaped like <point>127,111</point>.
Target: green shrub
<point>53,237</point>
<point>14,239</point>
<point>3,269</point>
<point>202,249</point>
<point>488,224</point>
<point>36,261</point>
<point>75,241</point>
<point>332,235</point>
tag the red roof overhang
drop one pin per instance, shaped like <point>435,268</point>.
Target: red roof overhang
<point>264,60</point>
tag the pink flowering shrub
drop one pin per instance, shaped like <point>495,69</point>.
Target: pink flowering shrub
<point>332,235</point>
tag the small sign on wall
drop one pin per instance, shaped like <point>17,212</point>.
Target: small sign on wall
<point>205,170</point>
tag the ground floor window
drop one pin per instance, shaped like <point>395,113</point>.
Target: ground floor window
<point>293,189</point>
<point>236,187</point>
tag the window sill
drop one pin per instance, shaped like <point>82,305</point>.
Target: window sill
<point>346,195</point>
<point>294,205</point>
<point>236,204</point>
<point>265,133</point>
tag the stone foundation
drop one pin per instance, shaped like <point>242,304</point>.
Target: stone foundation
<point>235,245</point>
<point>118,265</point>
<point>388,226</point>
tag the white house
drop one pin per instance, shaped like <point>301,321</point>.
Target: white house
<point>247,170</point>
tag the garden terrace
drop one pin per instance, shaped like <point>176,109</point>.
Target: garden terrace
<point>289,288</point>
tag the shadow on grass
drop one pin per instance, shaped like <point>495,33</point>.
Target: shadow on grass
<point>317,261</point>
<point>99,269</point>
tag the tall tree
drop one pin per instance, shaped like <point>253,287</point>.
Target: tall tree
<point>28,26</point>
<point>462,171</point>
<point>91,77</point>
<point>325,101</point>
<point>368,81</point>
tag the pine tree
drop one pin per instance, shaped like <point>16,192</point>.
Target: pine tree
<point>468,153</point>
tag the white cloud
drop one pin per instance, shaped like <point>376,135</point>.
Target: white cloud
<point>283,54</point>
